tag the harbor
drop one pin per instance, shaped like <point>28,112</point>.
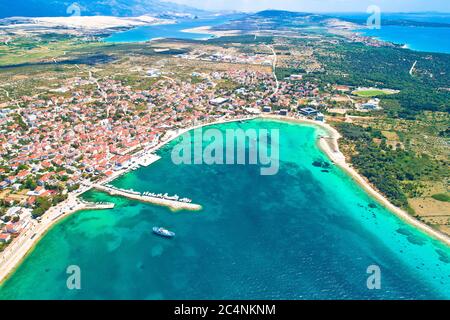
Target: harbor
<point>173,202</point>
<point>128,229</point>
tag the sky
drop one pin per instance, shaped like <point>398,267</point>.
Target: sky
<point>321,5</point>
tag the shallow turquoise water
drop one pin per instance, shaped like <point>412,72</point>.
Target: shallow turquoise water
<point>147,33</point>
<point>416,38</point>
<point>300,234</point>
<point>428,39</point>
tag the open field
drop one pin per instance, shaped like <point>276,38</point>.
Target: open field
<point>418,148</point>
<point>27,51</point>
<point>369,93</point>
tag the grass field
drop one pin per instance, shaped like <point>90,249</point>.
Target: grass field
<point>441,197</point>
<point>369,93</point>
<point>20,52</point>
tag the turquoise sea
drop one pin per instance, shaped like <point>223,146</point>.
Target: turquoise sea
<point>147,33</point>
<point>300,234</point>
<point>427,39</point>
<point>415,38</point>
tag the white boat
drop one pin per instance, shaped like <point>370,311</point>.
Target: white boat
<point>163,232</point>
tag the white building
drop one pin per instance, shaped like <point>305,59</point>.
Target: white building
<point>372,104</point>
<point>253,110</point>
<point>296,77</point>
<point>153,73</point>
<point>219,101</point>
<point>320,117</point>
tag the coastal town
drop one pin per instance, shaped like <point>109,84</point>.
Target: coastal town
<point>92,128</point>
<point>89,130</point>
<point>76,121</point>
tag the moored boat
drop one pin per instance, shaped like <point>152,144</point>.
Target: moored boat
<point>163,232</point>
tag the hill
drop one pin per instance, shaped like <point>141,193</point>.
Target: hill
<point>121,8</point>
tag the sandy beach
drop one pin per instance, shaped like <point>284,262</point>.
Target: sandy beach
<point>98,22</point>
<point>12,256</point>
<point>331,148</point>
<point>208,30</point>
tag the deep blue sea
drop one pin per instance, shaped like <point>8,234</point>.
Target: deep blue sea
<point>301,234</point>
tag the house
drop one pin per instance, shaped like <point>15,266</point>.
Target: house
<point>267,109</point>
<point>253,110</point>
<point>14,211</point>
<point>153,73</point>
<point>3,185</point>
<point>44,179</point>
<point>23,174</point>
<point>342,88</point>
<point>296,77</point>
<point>373,104</point>
<point>283,112</point>
<point>31,201</point>
<point>320,117</point>
<point>308,111</point>
<point>4,112</point>
<point>11,179</point>
<point>241,91</point>
<point>219,101</point>
<point>37,192</point>
<point>5,237</point>
<point>13,228</point>
<point>122,162</point>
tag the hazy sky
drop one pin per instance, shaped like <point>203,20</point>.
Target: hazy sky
<point>321,5</point>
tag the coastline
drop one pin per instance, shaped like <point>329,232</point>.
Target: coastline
<point>23,245</point>
<point>208,30</point>
<point>29,239</point>
<point>339,159</point>
<point>406,44</point>
<point>12,257</point>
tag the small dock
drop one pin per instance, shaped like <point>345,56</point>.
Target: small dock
<point>172,204</point>
<point>85,205</point>
<point>98,205</point>
<point>148,159</point>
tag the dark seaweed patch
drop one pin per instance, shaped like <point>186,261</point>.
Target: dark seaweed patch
<point>321,164</point>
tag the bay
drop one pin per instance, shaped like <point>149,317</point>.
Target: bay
<point>301,234</point>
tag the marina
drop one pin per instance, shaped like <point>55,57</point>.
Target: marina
<point>173,202</point>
